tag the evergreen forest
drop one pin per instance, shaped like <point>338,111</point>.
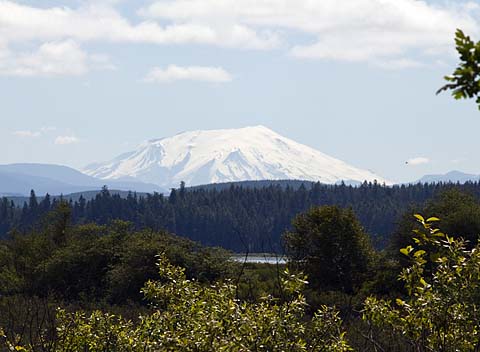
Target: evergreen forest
<point>237,218</point>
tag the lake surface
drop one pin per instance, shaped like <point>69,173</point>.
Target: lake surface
<point>260,258</point>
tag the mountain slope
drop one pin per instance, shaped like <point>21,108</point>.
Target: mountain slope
<point>215,156</point>
<point>20,184</point>
<point>59,173</point>
<point>19,179</point>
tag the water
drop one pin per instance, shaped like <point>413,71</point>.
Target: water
<point>260,258</point>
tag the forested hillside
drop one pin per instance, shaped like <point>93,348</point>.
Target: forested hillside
<point>237,218</point>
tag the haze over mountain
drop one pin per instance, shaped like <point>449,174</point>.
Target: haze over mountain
<point>19,179</point>
<point>452,176</point>
<point>228,155</point>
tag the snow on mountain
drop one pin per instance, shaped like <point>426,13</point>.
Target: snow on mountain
<point>216,156</point>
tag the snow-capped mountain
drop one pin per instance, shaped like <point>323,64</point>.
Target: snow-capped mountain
<point>215,156</point>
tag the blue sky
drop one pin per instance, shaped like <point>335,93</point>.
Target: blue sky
<point>84,81</point>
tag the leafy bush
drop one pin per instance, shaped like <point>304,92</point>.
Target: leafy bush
<point>441,310</point>
<point>189,316</point>
<point>99,263</point>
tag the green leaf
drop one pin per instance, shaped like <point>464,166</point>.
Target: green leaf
<point>419,253</point>
<point>406,250</point>
<point>458,94</point>
<point>419,217</point>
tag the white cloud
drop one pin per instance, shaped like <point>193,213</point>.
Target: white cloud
<point>391,34</point>
<point>48,129</point>
<point>52,59</point>
<point>458,160</point>
<point>192,73</point>
<point>43,131</point>
<point>26,133</point>
<point>100,21</point>
<point>383,32</point>
<point>418,161</point>
<point>62,140</point>
<point>31,134</point>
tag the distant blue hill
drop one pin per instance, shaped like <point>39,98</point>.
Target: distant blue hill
<point>16,180</point>
<point>450,177</point>
<point>19,179</point>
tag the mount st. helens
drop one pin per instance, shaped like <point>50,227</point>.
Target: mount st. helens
<point>228,155</point>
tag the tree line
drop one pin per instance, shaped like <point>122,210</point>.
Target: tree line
<point>236,218</point>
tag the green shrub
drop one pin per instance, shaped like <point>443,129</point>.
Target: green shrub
<point>442,309</point>
<point>189,316</point>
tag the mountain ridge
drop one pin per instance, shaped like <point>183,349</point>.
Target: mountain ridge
<point>453,176</point>
<point>20,178</point>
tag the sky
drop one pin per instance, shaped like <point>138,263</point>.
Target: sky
<point>84,81</point>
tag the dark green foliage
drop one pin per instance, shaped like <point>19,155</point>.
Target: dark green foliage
<point>259,280</point>
<point>88,267</point>
<point>97,262</point>
<point>459,213</point>
<point>465,80</point>
<point>136,257</point>
<point>241,219</point>
<point>330,246</point>
<point>28,320</point>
